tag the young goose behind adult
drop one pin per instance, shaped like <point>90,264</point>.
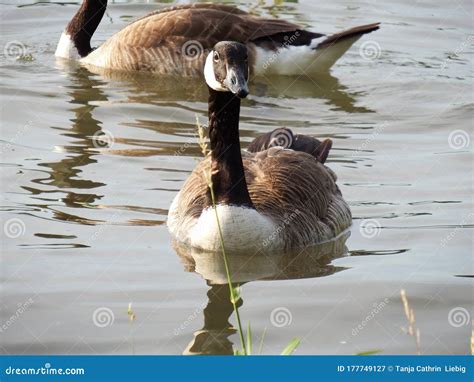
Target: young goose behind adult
<point>285,138</point>
<point>177,40</point>
<point>272,200</point>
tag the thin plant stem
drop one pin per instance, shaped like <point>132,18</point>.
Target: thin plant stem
<point>221,239</point>
<point>260,348</point>
<point>227,271</point>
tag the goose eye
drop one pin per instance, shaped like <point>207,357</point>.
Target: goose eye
<point>216,56</point>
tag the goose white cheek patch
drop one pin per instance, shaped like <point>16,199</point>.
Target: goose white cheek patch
<point>210,76</point>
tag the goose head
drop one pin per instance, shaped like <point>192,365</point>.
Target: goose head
<point>227,69</point>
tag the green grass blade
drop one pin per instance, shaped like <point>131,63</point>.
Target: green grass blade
<point>249,339</point>
<point>235,295</point>
<point>232,290</point>
<point>260,347</point>
<point>370,352</point>
<point>291,347</point>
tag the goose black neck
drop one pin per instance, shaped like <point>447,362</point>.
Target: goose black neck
<point>228,176</point>
<point>84,23</point>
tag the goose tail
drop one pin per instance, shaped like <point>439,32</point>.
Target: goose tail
<point>322,151</point>
<point>329,50</point>
<point>351,33</point>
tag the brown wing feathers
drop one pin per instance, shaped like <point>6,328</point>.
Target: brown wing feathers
<point>206,23</point>
<point>203,20</point>
<point>158,41</point>
<point>293,186</point>
<point>227,15</point>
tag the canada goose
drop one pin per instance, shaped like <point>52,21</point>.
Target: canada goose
<point>271,200</point>
<point>177,40</point>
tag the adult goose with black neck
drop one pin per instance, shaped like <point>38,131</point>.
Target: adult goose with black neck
<point>271,200</point>
<point>177,40</point>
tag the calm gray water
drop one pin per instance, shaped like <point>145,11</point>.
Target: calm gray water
<point>83,221</point>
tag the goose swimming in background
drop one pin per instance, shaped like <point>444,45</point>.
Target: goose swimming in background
<point>177,40</point>
<point>271,200</point>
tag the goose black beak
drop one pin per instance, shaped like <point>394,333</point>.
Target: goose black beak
<point>236,81</point>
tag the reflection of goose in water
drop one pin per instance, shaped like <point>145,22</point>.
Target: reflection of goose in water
<point>87,137</point>
<point>184,93</point>
<point>141,88</point>
<point>324,86</point>
<point>213,337</point>
<point>64,175</point>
